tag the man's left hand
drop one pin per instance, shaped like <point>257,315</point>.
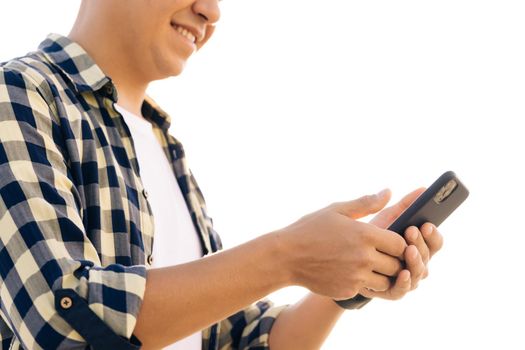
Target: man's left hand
<point>422,242</point>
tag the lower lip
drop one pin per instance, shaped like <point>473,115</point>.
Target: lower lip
<point>186,40</point>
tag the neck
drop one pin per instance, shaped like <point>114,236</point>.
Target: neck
<point>110,55</point>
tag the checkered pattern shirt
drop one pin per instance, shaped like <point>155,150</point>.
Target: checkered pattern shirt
<point>76,228</point>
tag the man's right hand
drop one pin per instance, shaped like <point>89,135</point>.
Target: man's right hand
<point>333,254</point>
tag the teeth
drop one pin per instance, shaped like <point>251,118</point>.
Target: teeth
<point>186,33</point>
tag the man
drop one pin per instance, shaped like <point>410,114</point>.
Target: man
<point>80,142</point>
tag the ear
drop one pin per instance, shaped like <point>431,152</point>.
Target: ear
<point>209,32</point>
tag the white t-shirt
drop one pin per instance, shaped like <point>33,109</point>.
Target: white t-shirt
<point>176,241</point>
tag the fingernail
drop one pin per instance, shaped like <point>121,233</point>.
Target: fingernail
<point>406,277</point>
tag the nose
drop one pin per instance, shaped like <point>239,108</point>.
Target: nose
<point>208,10</point>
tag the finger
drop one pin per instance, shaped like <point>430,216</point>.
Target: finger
<point>414,264</point>
<point>397,291</point>
<point>432,237</point>
<point>377,282</point>
<point>405,202</point>
<point>425,273</point>
<point>365,205</point>
<point>402,286</point>
<point>389,242</point>
<point>386,264</point>
<point>391,213</point>
<point>413,236</point>
<point>410,198</point>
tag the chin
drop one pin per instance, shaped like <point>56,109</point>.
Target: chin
<point>167,63</point>
<point>177,62</point>
<point>177,69</point>
<point>168,68</point>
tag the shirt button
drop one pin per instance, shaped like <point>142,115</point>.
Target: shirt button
<point>150,259</point>
<point>109,89</point>
<point>66,303</point>
<point>145,193</point>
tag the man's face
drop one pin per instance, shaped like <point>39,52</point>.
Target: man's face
<point>162,34</point>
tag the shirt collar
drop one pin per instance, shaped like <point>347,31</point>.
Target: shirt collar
<point>74,62</point>
<point>85,75</point>
<point>152,112</point>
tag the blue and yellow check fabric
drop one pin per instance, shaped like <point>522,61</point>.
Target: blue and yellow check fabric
<point>76,229</point>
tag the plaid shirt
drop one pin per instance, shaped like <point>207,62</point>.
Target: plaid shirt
<point>76,229</point>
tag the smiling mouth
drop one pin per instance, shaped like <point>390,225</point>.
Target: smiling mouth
<point>185,33</point>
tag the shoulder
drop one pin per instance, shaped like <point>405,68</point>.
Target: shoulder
<point>31,72</point>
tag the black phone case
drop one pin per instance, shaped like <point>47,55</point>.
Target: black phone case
<point>424,209</point>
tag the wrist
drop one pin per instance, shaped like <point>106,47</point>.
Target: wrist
<point>280,253</point>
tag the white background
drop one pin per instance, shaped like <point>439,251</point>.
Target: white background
<point>296,104</point>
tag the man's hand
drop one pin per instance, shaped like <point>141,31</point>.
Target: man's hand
<point>422,245</point>
<point>333,254</point>
<point>315,315</point>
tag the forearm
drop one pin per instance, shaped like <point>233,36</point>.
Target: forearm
<point>183,299</point>
<point>306,324</point>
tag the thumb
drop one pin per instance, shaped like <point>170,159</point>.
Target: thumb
<point>365,205</point>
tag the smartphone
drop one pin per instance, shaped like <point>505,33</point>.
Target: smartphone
<point>434,205</point>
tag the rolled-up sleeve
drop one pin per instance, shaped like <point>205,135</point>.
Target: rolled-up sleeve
<point>249,328</point>
<point>54,293</point>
